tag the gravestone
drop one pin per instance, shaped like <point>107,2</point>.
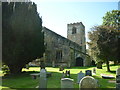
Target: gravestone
<point>63,75</point>
<point>88,82</point>
<point>42,64</point>
<point>80,76</point>
<point>88,73</point>
<point>117,86</point>
<point>94,70</point>
<point>118,71</point>
<point>53,63</point>
<point>61,68</point>
<point>43,78</point>
<point>66,74</point>
<point>67,83</point>
<point>118,79</point>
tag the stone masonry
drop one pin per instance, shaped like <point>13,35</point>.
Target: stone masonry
<point>68,51</point>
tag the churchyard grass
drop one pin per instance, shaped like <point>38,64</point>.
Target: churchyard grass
<point>24,80</point>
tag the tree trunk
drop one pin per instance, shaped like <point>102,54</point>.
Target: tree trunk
<point>107,64</point>
<point>115,62</point>
<point>99,65</point>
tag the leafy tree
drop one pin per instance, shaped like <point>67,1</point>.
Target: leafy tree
<point>104,43</point>
<point>23,39</point>
<point>112,18</point>
<point>94,51</point>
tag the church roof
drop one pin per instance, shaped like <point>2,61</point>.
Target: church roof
<point>63,38</point>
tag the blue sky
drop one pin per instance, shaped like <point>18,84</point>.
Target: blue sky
<point>57,14</point>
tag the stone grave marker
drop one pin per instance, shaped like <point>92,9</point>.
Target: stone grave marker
<point>63,75</point>
<point>66,74</point>
<point>117,86</point>
<point>43,78</point>
<point>118,71</point>
<point>80,76</point>
<point>61,68</point>
<point>67,83</point>
<point>118,79</point>
<point>88,73</point>
<point>94,70</point>
<point>88,82</point>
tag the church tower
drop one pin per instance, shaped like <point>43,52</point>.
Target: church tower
<point>76,33</point>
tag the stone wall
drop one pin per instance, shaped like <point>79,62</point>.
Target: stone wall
<point>79,36</point>
<point>60,49</point>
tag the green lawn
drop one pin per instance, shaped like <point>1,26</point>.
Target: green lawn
<point>24,80</point>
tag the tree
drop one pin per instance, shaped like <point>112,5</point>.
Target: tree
<point>112,19</point>
<point>94,51</point>
<point>104,42</point>
<point>23,39</point>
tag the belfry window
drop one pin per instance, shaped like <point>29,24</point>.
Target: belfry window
<point>74,30</point>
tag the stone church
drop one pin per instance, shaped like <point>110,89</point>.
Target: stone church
<point>70,51</point>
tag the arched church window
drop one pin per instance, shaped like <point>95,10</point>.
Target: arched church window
<point>74,30</point>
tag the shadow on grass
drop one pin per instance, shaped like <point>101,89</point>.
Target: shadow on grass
<point>78,67</point>
<point>114,72</point>
<point>24,80</point>
<point>24,73</point>
<point>104,83</point>
<point>112,65</point>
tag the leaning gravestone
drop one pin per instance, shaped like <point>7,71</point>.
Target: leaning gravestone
<point>118,79</point>
<point>43,79</point>
<point>67,83</point>
<point>88,73</point>
<point>80,76</point>
<point>88,82</point>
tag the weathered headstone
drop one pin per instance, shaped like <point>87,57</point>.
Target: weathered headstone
<point>80,76</point>
<point>118,71</point>
<point>94,70</point>
<point>63,75</point>
<point>61,68</point>
<point>53,63</point>
<point>117,86</point>
<point>68,73</point>
<point>42,64</point>
<point>88,73</point>
<point>118,79</point>
<point>88,82</point>
<point>43,79</point>
<point>67,83</point>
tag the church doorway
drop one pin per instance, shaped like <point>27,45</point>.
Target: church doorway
<point>79,61</point>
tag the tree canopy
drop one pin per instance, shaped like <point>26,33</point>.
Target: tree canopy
<point>112,18</point>
<point>103,44</point>
<point>23,39</point>
<point>104,39</point>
